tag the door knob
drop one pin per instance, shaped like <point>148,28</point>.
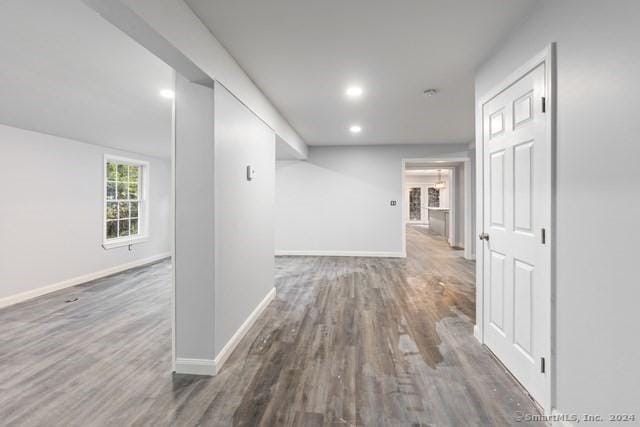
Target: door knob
<point>484,236</point>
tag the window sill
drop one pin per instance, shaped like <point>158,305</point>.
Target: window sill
<point>124,242</point>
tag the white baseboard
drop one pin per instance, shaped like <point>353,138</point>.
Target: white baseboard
<point>476,333</point>
<point>242,330</point>
<point>24,296</point>
<point>212,367</point>
<point>195,366</point>
<point>343,253</point>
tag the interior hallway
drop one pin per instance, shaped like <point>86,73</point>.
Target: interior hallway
<point>348,341</point>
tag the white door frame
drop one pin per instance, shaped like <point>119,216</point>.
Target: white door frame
<point>453,208</point>
<point>173,225</point>
<point>466,163</point>
<point>547,57</point>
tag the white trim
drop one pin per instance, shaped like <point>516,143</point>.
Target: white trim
<point>476,333</point>
<point>344,253</point>
<point>127,241</point>
<point>242,331</point>
<point>195,366</point>
<point>468,236</point>
<point>546,56</point>
<point>212,367</point>
<point>143,199</point>
<point>453,207</point>
<point>24,296</point>
<point>173,224</point>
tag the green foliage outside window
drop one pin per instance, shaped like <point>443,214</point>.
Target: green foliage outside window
<point>122,200</point>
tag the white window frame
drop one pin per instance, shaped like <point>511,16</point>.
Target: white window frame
<point>143,197</point>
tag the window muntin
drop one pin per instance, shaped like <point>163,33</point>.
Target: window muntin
<point>123,205</point>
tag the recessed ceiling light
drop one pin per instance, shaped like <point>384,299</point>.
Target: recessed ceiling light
<point>430,92</point>
<point>167,93</point>
<point>355,129</point>
<point>354,91</point>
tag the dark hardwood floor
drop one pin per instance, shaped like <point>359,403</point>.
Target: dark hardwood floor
<point>348,341</point>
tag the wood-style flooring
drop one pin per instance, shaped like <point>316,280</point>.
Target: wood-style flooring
<point>347,341</point>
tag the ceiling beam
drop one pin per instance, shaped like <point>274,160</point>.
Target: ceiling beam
<point>122,17</point>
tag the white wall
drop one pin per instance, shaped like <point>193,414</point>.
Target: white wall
<point>338,201</point>
<point>244,214</point>
<point>51,211</point>
<point>598,201</point>
<point>194,260</point>
<point>224,223</point>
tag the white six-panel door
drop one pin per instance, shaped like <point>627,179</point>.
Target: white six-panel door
<point>516,289</point>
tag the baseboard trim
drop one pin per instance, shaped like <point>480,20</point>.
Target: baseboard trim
<point>242,330</point>
<point>476,333</point>
<point>34,293</point>
<point>343,253</point>
<point>195,366</point>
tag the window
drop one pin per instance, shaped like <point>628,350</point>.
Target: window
<point>124,204</point>
<point>434,197</point>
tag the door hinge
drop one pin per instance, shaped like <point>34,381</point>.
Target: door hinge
<point>543,236</point>
<point>544,104</point>
<point>542,365</point>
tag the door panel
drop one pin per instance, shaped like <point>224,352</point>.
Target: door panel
<point>496,123</point>
<point>515,262</point>
<point>496,194</point>
<point>523,309</point>
<point>523,109</point>
<point>497,290</point>
<point>523,186</point>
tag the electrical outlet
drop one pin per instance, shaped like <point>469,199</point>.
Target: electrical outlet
<point>393,203</point>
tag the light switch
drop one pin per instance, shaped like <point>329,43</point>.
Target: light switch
<point>251,173</point>
<point>393,203</point>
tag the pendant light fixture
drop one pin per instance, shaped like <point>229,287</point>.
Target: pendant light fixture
<point>440,184</point>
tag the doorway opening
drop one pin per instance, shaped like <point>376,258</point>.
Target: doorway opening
<point>437,199</point>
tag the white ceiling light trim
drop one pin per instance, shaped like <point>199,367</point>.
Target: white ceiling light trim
<point>355,129</point>
<point>354,92</point>
<point>440,184</point>
<point>167,93</point>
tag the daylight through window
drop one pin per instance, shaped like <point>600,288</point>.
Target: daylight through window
<point>122,204</point>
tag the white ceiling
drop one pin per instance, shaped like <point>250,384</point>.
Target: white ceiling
<point>67,72</point>
<point>303,53</point>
